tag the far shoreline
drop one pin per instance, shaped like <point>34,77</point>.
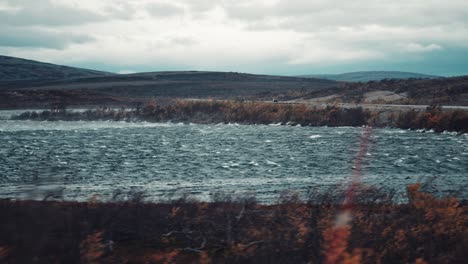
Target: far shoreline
<point>434,118</point>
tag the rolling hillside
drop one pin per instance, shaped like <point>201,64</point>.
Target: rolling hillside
<point>16,69</point>
<point>177,84</point>
<point>21,89</point>
<point>446,91</point>
<point>365,76</point>
<point>26,84</point>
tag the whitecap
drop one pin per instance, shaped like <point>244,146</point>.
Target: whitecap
<point>450,133</point>
<point>315,136</point>
<point>253,163</point>
<point>272,163</point>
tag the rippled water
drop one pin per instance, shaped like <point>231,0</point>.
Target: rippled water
<point>168,160</point>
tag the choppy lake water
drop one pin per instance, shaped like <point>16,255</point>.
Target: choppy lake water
<point>169,160</point>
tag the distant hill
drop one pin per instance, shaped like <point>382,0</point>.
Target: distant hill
<point>14,69</point>
<point>446,91</point>
<point>26,83</point>
<point>365,76</point>
<point>178,84</point>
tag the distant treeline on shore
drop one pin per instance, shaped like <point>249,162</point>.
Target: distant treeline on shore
<point>205,112</point>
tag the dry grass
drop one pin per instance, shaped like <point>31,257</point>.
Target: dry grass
<point>426,228</point>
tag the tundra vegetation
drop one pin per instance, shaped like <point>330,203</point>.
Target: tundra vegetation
<point>424,229</point>
<point>264,113</point>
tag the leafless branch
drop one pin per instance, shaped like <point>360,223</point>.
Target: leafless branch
<point>197,250</point>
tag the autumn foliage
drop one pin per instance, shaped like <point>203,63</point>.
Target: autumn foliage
<point>425,229</point>
<point>255,112</point>
<point>434,118</point>
<point>216,112</point>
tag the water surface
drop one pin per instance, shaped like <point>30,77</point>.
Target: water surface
<point>167,160</point>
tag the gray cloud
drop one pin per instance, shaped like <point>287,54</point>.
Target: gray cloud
<point>220,34</point>
<point>164,9</point>
<point>306,15</point>
<point>182,41</point>
<point>45,12</point>
<point>360,30</point>
<point>197,6</point>
<point>120,10</point>
<point>170,42</point>
<point>53,13</point>
<point>20,37</point>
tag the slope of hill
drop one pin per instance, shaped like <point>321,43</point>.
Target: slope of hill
<point>26,83</point>
<point>365,76</point>
<point>32,84</point>
<point>446,91</point>
<point>14,69</point>
<point>178,84</point>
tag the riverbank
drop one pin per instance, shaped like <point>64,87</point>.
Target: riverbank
<point>236,231</point>
<point>205,112</point>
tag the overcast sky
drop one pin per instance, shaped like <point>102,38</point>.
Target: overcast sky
<point>260,36</point>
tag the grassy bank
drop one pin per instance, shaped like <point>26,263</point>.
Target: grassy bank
<point>424,230</point>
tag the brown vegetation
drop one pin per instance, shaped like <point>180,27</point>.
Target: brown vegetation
<point>44,98</point>
<point>264,113</point>
<point>447,91</point>
<point>424,230</point>
<point>434,118</point>
<point>216,112</point>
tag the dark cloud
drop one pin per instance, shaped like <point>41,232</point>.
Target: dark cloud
<point>21,37</point>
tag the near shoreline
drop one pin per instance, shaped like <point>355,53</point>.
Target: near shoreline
<point>237,231</point>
